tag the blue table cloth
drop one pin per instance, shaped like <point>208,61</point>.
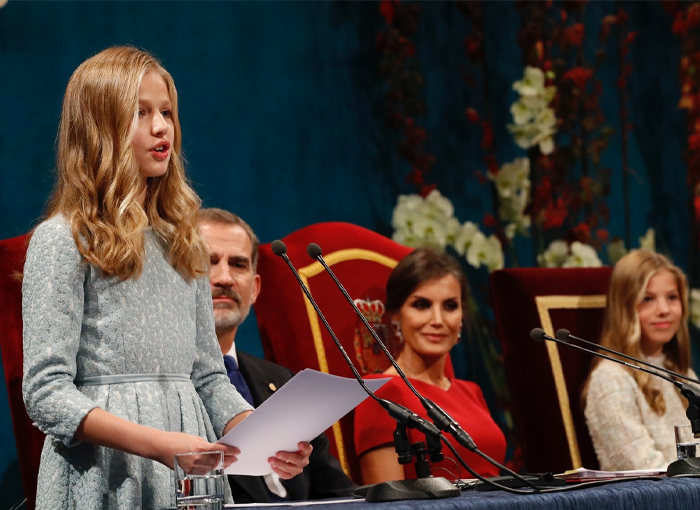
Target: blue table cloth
<point>664,494</point>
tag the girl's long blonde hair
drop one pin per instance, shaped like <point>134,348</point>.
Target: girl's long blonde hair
<point>621,328</point>
<point>98,182</point>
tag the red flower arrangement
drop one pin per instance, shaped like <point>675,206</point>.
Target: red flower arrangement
<point>570,185</point>
<point>403,82</point>
<point>686,18</point>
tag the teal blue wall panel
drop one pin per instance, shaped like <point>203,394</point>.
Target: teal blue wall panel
<point>282,115</point>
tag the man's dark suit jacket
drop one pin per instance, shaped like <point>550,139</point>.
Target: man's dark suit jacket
<point>322,478</point>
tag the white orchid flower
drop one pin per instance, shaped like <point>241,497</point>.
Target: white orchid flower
<point>477,249</point>
<point>532,83</point>
<point>549,93</point>
<point>431,231</point>
<point>616,250</point>
<point>534,122</point>
<point>546,120</point>
<point>695,307</point>
<point>442,204</point>
<point>452,228</point>
<point>519,224</point>
<point>406,237</point>
<point>494,257</point>
<point>526,109</point>
<point>512,177</point>
<point>524,135</point>
<point>582,255</point>
<point>486,251</point>
<point>406,210</point>
<point>429,221</point>
<point>547,145</point>
<point>648,241</point>
<point>522,113</point>
<point>513,186</point>
<point>465,236</point>
<point>554,255</point>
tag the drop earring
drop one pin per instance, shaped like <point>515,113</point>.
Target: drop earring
<point>397,330</point>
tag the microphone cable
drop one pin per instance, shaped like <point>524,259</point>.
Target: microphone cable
<point>410,419</point>
<point>564,335</point>
<point>401,414</point>
<point>441,418</point>
<point>691,393</point>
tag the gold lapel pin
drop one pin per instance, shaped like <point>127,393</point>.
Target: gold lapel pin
<point>272,387</point>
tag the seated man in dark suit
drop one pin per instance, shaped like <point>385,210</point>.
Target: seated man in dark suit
<point>235,284</point>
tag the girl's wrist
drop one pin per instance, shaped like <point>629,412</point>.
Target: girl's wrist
<point>153,445</point>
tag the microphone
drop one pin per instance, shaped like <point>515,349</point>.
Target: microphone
<point>441,418</point>
<point>434,487</point>
<point>538,334</point>
<point>691,393</point>
<point>565,335</point>
<point>422,488</point>
<point>398,412</point>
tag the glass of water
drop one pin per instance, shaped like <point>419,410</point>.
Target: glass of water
<point>687,445</point>
<point>199,481</point>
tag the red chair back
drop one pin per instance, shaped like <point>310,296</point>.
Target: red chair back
<point>28,438</point>
<point>545,381</point>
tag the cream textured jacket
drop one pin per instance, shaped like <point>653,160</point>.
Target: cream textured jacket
<point>626,432</point>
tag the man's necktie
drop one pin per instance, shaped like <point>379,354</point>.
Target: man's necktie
<point>237,379</point>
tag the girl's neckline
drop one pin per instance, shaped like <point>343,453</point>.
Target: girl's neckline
<point>658,360</point>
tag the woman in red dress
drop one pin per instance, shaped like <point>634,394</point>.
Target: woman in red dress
<point>426,299</point>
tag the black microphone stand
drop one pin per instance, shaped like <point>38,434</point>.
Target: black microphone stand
<point>565,335</point>
<point>425,487</point>
<point>441,418</point>
<point>691,393</point>
<point>406,451</point>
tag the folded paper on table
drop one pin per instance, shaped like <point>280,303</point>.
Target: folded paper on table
<point>583,474</point>
<point>334,502</point>
<point>305,406</point>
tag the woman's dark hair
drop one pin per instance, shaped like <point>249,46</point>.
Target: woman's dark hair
<point>418,267</point>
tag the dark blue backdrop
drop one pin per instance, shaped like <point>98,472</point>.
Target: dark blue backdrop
<point>281,109</point>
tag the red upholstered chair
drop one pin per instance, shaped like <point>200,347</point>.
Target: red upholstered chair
<point>545,380</point>
<point>29,439</point>
<point>291,332</point>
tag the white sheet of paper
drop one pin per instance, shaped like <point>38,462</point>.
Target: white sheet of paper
<point>300,410</point>
<point>341,501</point>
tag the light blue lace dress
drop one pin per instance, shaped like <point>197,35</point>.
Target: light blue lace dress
<point>80,326</point>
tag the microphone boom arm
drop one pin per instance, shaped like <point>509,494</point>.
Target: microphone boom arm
<point>441,419</point>
<point>565,334</point>
<point>401,414</point>
<point>691,393</point>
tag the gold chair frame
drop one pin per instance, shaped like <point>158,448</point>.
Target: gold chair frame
<point>544,305</point>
